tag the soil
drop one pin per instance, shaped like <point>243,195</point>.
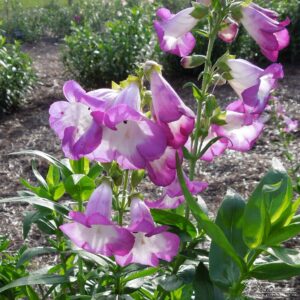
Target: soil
<point>28,128</point>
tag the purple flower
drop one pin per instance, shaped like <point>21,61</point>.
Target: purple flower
<point>263,26</point>
<point>290,124</point>
<point>128,136</point>
<point>229,31</point>
<point>73,123</point>
<point>252,84</point>
<point>169,111</point>
<point>215,149</point>
<point>173,31</point>
<point>151,243</point>
<point>93,230</point>
<point>242,129</point>
<point>172,195</point>
<point>162,171</point>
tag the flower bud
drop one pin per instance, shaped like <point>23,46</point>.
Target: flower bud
<point>193,61</point>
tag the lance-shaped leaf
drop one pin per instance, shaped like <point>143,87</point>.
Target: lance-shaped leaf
<point>210,228</point>
<point>223,270</point>
<point>270,205</point>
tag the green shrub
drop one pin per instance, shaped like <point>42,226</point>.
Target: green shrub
<point>16,75</point>
<point>96,57</point>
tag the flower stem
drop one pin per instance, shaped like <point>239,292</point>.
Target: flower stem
<point>123,203</point>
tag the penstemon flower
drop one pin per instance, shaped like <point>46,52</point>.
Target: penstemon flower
<point>172,195</point>
<point>151,243</point>
<point>94,231</point>
<point>168,110</point>
<point>253,84</point>
<point>229,30</point>
<point>173,31</point>
<point>263,26</point>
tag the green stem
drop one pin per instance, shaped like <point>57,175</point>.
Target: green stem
<point>123,203</point>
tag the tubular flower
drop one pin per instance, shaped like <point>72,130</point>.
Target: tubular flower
<point>151,243</point>
<point>263,26</point>
<point>228,31</point>
<point>73,123</point>
<point>128,136</point>
<point>172,195</point>
<point>93,230</point>
<point>169,111</point>
<point>162,171</point>
<point>173,31</point>
<point>252,84</point>
<point>242,129</point>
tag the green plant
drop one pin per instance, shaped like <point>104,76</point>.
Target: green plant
<point>95,57</point>
<point>16,75</point>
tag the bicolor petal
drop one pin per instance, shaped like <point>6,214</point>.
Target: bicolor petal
<point>263,26</point>
<point>229,31</point>
<point>173,31</point>
<point>170,112</point>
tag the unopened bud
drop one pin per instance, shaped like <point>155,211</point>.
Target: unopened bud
<point>193,61</point>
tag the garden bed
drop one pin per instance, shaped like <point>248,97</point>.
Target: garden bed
<point>28,128</point>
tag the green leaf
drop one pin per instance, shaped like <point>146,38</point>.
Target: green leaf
<point>32,199</point>
<point>204,288</point>
<point>275,271</point>
<point>169,218</point>
<point>136,177</point>
<point>223,270</point>
<point>48,157</point>
<point>79,186</point>
<point>30,253</point>
<point>139,274</point>
<point>288,256</point>
<point>81,166</point>
<point>95,171</point>
<point>283,234</point>
<point>211,229</point>
<point>53,175</point>
<point>38,176</point>
<point>170,283</point>
<point>37,279</point>
<point>269,205</point>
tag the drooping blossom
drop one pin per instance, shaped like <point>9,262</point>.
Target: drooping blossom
<point>173,31</point>
<point>229,31</point>
<point>94,231</point>
<point>168,110</point>
<point>242,128</point>
<point>151,243</point>
<point>263,26</point>
<point>128,136</point>
<point>72,121</point>
<point>253,84</point>
<point>162,171</point>
<point>172,195</point>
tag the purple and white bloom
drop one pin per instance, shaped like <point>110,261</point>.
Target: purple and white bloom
<point>263,26</point>
<point>128,137</point>
<point>229,31</point>
<point>216,149</point>
<point>242,129</point>
<point>290,124</point>
<point>94,231</point>
<point>151,243</point>
<point>173,31</point>
<point>72,121</point>
<point>172,195</point>
<point>253,84</point>
<point>169,111</point>
<point>162,171</point>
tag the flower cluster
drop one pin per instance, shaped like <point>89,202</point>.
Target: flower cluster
<point>153,130</point>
